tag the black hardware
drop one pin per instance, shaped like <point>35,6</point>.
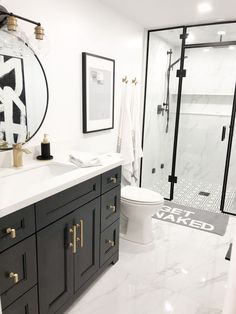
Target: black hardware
<point>223,133</point>
<point>153,170</point>
<point>172,179</point>
<point>228,155</point>
<point>162,166</point>
<point>202,193</point>
<point>181,73</point>
<point>228,254</point>
<point>4,13</point>
<point>183,36</point>
<point>160,109</point>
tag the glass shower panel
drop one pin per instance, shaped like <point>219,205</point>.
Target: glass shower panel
<point>230,195</point>
<point>206,105</point>
<point>160,110</point>
<point>217,33</point>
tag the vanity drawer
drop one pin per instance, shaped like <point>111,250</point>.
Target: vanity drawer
<point>18,271</point>
<point>16,227</point>
<point>110,207</point>
<point>109,242</point>
<point>60,204</point>
<point>110,179</point>
<point>27,304</point>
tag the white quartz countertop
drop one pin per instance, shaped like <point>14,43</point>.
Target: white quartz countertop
<point>13,199</point>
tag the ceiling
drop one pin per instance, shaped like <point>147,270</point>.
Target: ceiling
<point>163,13</point>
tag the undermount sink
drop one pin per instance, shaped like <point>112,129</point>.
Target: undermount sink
<point>37,174</point>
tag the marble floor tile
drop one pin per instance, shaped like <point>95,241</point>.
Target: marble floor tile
<point>184,271</point>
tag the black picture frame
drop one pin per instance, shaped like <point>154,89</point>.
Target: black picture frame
<point>90,124</point>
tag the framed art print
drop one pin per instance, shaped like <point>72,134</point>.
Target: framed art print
<point>98,92</point>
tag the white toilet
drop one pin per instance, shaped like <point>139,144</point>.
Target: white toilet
<point>139,205</point>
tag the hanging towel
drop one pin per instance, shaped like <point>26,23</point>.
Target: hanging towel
<point>125,140</point>
<point>85,160</point>
<point>136,132</point>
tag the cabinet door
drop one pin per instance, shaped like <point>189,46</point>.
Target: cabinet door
<point>55,265</point>
<point>87,219</point>
<point>18,272</point>
<point>27,304</point>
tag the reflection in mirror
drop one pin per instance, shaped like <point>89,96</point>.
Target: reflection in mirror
<point>23,91</point>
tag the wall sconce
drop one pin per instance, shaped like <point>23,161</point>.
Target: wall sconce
<point>10,19</point>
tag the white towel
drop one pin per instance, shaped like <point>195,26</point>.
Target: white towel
<point>125,141</point>
<point>136,132</point>
<point>85,160</point>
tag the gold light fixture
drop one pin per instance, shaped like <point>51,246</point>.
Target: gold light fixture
<point>39,32</point>
<point>11,23</point>
<point>10,19</point>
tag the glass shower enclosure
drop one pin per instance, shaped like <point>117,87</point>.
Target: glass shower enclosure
<point>189,135</point>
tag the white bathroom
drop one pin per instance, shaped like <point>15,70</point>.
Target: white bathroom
<point>117,157</point>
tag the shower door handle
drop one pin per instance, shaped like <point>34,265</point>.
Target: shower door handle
<point>223,133</point>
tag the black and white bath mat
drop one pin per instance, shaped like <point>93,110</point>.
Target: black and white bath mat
<point>193,218</point>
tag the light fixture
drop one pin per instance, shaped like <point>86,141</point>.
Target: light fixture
<point>39,32</point>
<point>231,47</point>
<point>10,19</point>
<point>11,23</point>
<point>206,49</point>
<point>221,33</point>
<point>204,7</point>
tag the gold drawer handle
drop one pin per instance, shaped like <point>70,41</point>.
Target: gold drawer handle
<point>113,208</point>
<point>11,232</point>
<point>113,179</point>
<point>72,244</point>
<point>14,276</point>
<point>81,238</point>
<point>112,243</point>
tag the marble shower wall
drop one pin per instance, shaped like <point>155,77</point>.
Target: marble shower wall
<point>206,107</point>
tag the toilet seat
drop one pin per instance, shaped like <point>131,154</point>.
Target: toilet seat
<point>140,196</point>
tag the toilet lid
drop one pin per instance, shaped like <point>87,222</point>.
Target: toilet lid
<point>140,195</point>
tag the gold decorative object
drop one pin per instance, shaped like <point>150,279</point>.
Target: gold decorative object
<point>11,232</point>
<point>81,238</point>
<point>39,32</point>
<point>14,276</point>
<point>134,81</point>
<point>18,153</point>
<point>11,23</point>
<point>125,79</point>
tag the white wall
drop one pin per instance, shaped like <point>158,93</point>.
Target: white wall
<point>73,27</point>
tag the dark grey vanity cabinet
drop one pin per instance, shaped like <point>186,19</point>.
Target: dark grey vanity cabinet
<point>51,251</point>
<point>68,255</point>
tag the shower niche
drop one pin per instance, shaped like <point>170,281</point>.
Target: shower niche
<point>189,116</point>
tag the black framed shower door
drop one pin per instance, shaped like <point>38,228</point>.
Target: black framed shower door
<point>182,142</point>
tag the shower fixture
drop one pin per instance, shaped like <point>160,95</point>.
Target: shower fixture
<point>165,107</point>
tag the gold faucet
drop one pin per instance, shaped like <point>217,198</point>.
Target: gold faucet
<point>18,153</point>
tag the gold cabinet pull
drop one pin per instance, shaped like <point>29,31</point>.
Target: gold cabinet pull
<point>81,238</point>
<point>14,276</point>
<point>74,238</point>
<point>112,243</point>
<point>113,179</point>
<point>72,244</point>
<point>11,232</point>
<point>113,208</point>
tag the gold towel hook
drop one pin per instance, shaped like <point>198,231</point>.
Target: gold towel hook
<point>134,81</point>
<point>125,79</point>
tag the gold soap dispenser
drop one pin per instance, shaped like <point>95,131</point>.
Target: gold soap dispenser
<point>45,149</point>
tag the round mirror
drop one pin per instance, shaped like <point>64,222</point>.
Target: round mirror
<point>23,91</point>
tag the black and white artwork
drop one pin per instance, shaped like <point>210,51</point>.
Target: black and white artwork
<point>98,93</point>
<point>13,113</point>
